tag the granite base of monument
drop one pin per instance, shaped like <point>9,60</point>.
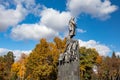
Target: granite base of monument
<point>69,71</point>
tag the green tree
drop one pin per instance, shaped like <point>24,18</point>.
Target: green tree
<point>2,67</point>
<point>88,59</point>
<point>9,60</point>
<point>6,62</point>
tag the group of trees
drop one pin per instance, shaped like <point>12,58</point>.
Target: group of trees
<point>109,68</point>
<point>6,62</point>
<point>42,62</point>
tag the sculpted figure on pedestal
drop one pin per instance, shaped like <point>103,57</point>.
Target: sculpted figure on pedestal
<point>72,26</point>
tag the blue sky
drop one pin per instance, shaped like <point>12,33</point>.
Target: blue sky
<point>23,23</point>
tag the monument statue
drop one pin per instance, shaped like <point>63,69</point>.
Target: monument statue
<point>72,27</point>
<point>68,68</point>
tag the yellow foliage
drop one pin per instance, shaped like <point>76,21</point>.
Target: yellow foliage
<point>42,61</point>
<point>15,67</point>
<point>19,67</point>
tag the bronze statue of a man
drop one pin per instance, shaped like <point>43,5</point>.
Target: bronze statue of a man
<point>72,26</point>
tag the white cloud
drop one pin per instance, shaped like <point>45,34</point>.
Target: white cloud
<point>81,31</point>
<point>30,6</point>
<point>32,32</point>
<point>103,50</point>
<point>55,19</point>
<point>17,53</point>
<point>96,8</point>
<point>26,3</point>
<point>3,51</point>
<point>5,3</point>
<point>117,53</point>
<point>11,17</point>
<point>52,23</point>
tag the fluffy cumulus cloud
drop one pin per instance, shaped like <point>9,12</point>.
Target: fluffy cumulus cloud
<point>103,50</point>
<point>55,19</point>
<point>51,24</point>
<point>17,53</point>
<point>96,8</point>
<point>30,6</point>
<point>26,3</point>
<point>11,17</point>
<point>32,31</point>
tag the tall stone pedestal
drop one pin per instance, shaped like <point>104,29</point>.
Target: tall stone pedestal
<point>69,71</point>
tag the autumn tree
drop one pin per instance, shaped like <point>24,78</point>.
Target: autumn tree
<point>88,59</point>
<point>109,69</point>
<point>37,66</point>
<point>2,68</point>
<point>42,61</point>
<point>6,62</point>
<point>18,68</point>
<point>58,47</point>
